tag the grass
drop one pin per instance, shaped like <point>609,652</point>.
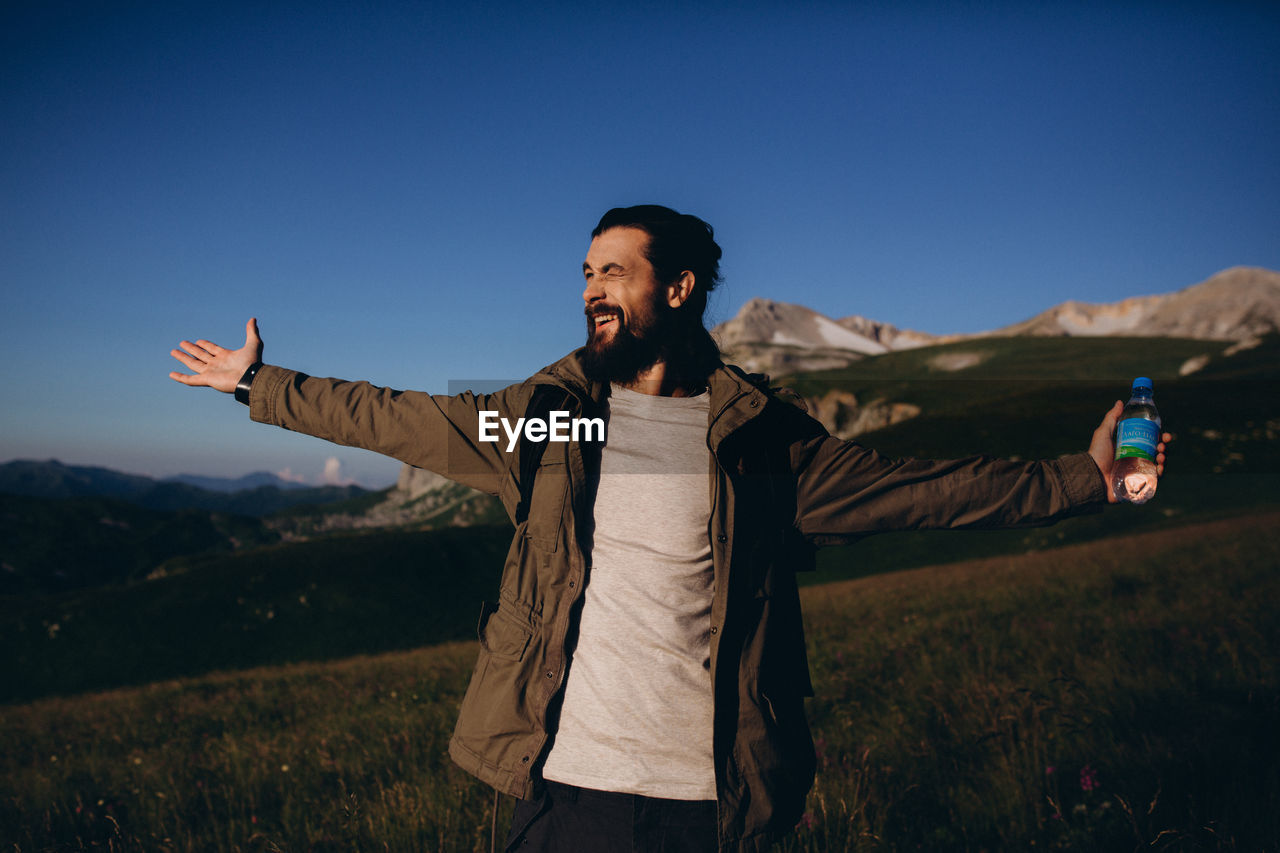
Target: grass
<point>1107,696</point>
<point>1114,695</point>
<point>328,598</point>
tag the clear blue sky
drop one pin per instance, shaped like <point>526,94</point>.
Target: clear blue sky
<point>403,192</point>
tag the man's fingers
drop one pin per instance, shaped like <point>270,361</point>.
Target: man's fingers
<point>196,350</point>
<point>193,380</point>
<point>191,362</point>
<point>212,348</point>
<point>1165,438</point>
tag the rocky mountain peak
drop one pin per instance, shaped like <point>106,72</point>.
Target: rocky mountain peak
<point>1239,303</point>
<point>1235,304</point>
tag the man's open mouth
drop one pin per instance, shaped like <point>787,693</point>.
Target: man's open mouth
<point>603,319</point>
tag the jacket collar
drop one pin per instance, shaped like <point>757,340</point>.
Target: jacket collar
<point>736,397</point>
<point>567,373</point>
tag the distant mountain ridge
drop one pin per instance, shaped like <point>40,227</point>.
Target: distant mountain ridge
<point>255,480</point>
<point>1235,304</point>
<point>53,479</point>
<point>1240,303</point>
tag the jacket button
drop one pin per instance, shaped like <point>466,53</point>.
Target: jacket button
<point>722,539</point>
<point>572,584</point>
<point>755,403</point>
<point>525,759</point>
<point>714,629</point>
<point>550,674</point>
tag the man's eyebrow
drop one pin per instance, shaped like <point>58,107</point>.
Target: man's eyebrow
<point>612,266</point>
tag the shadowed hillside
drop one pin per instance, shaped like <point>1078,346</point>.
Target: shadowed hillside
<point>1114,695</point>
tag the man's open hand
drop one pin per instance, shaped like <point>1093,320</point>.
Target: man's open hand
<point>1103,448</point>
<point>215,366</point>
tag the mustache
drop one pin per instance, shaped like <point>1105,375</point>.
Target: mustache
<point>597,309</point>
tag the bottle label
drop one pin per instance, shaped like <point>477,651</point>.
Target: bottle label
<point>1137,437</point>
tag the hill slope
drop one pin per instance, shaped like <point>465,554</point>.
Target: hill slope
<point>1104,697</point>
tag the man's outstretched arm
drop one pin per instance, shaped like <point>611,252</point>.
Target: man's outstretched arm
<point>215,366</point>
<point>846,489</point>
<point>438,432</point>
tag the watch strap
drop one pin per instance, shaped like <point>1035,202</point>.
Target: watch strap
<point>246,382</point>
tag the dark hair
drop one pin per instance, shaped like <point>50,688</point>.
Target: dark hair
<point>677,242</point>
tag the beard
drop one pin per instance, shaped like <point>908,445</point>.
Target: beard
<point>622,354</point>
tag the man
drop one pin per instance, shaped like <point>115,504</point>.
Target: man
<point>640,682</point>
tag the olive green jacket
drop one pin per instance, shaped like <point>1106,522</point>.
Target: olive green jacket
<point>780,485</point>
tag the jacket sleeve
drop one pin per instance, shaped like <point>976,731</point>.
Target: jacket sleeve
<point>845,491</point>
<point>433,431</point>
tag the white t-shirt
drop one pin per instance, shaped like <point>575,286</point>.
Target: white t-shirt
<point>637,713</point>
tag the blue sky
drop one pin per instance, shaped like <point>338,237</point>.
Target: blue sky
<point>403,192</point>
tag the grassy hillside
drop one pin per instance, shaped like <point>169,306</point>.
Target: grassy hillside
<point>450,505</point>
<point>314,600</point>
<point>50,545</point>
<point>1115,695</point>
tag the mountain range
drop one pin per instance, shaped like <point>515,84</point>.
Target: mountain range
<point>255,494</point>
<point>1237,304</point>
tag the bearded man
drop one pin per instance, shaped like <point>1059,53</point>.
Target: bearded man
<point>640,682</point>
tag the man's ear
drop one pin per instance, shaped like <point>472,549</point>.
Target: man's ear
<point>680,290</point>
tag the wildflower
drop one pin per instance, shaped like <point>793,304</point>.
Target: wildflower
<point>806,820</point>
<point>284,768</point>
<point>1088,779</point>
<point>1048,771</point>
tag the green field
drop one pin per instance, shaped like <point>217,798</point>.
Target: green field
<point>1115,695</point>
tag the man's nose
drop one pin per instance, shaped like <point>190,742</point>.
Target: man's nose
<point>592,292</point>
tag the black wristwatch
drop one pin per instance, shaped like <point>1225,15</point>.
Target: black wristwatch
<point>246,382</point>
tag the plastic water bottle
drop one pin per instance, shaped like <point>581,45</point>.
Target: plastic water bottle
<point>1134,477</point>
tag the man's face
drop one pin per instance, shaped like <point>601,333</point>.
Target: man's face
<point>626,307</point>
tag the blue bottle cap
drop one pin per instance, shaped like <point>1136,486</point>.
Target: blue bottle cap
<point>1142,382</point>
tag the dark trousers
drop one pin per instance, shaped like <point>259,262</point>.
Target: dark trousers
<point>566,819</point>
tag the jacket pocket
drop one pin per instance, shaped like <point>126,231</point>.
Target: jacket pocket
<point>501,635</point>
<point>546,506</point>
